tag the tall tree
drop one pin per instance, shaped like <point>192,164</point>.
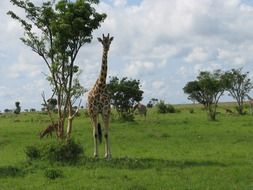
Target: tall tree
<point>238,85</point>
<point>56,32</point>
<point>124,94</point>
<point>18,108</point>
<point>207,90</point>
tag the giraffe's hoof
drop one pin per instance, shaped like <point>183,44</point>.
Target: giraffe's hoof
<point>108,156</point>
<point>95,155</point>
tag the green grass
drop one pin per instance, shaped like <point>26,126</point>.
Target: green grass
<point>173,151</point>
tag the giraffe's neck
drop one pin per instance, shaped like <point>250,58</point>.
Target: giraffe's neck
<point>103,70</point>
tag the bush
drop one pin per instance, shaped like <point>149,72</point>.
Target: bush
<point>127,116</point>
<point>10,171</point>
<point>191,110</point>
<point>165,108</point>
<point>162,108</point>
<point>68,152</point>
<point>240,111</point>
<point>170,109</point>
<point>32,152</point>
<point>53,173</point>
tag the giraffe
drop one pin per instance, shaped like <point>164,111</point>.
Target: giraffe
<point>250,102</point>
<point>142,109</point>
<point>48,131</point>
<point>99,101</point>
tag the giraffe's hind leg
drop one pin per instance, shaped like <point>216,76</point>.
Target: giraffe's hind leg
<point>95,135</point>
<point>106,118</point>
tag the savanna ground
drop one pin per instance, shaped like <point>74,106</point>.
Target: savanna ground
<point>169,152</point>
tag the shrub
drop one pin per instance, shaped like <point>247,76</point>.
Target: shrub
<point>165,108</point>
<point>191,110</point>
<point>53,173</point>
<point>32,152</point>
<point>113,117</point>
<point>68,152</point>
<point>10,171</point>
<point>170,109</point>
<point>162,108</point>
<point>239,110</point>
<point>125,116</point>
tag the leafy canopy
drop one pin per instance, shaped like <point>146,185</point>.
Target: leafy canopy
<point>124,94</point>
<point>238,84</point>
<point>207,90</point>
<point>56,32</point>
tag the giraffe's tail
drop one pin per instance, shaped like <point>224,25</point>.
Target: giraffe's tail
<point>99,133</point>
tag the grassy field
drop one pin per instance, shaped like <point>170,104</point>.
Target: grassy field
<point>168,152</point>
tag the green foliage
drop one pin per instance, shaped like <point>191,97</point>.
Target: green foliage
<point>152,102</point>
<point>66,152</point>
<point>51,104</point>
<point>126,116</point>
<point>238,84</point>
<point>149,104</point>
<point>191,110</point>
<point>124,94</point>
<point>162,107</point>
<point>207,90</point>
<point>63,28</point>
<point>10,171</point>
<point>171,109</point>
<point>165,108</point>
<point>32,152</point>
<point>52,173</point>
<point>18,108</point>
<point>167,151</point>
<point>240,110</point>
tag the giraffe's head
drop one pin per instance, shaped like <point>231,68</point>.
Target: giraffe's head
<point>106,41</point>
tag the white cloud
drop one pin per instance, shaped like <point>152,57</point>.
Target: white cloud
<point>210,66</point>
<point>155,41</point>
<point>236,58</point>
<point>158,84</point>
<point>137,68</point>
<point>27,66</point>
<point>120,3</point>
<point>197,55</point>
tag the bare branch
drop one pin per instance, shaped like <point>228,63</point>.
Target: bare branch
<point>48,110</point>
<point>77,110</point>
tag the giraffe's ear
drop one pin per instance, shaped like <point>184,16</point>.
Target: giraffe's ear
<point>111,38</point>
<point>100,40</point>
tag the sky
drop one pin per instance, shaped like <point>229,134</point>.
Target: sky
<point>163,43</point>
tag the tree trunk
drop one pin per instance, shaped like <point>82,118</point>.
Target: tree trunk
<point>212,113</point>
<point>69,127</point>
<point>60,129</point>
<point>240,109</point>
<point>70,121</point>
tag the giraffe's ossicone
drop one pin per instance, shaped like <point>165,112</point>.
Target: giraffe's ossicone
<point>99,100</point>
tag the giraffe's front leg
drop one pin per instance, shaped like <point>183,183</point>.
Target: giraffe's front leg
<point>95,136</point>
<point>106,135</point>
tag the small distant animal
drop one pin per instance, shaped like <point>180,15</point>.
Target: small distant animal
<point>228,110</point>
<point>48,131</point>
<point>142,109</point>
